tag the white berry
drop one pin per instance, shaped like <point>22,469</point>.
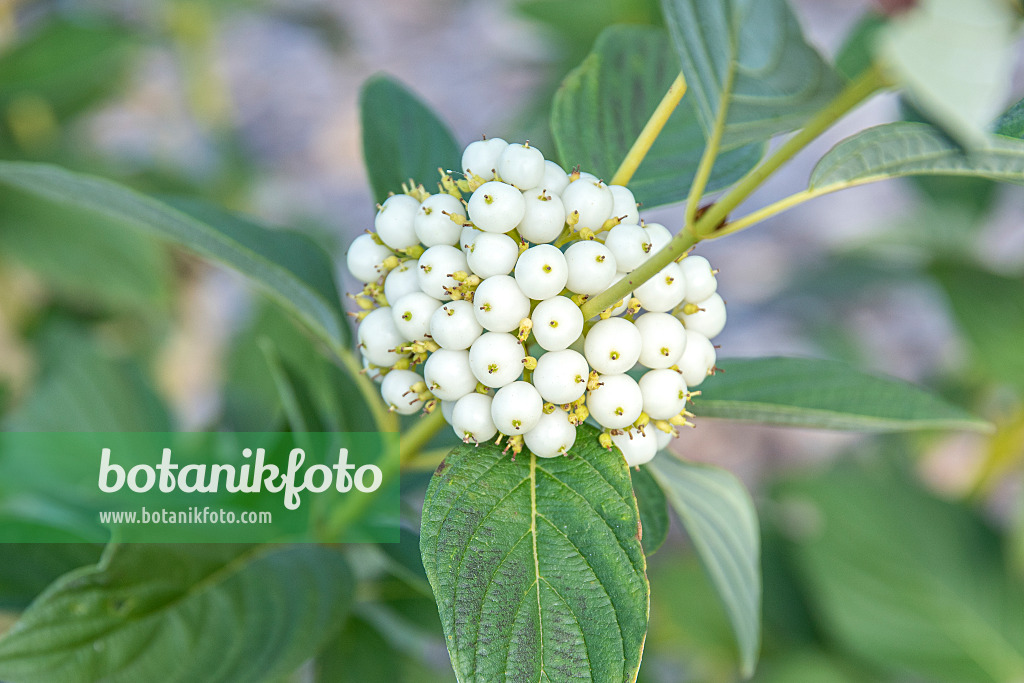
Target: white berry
<point>613,346</point>
<point>541,272</point>
<point>555,178</point>
<point>708,318</point>
<point>543,216</point>
<point>395,221</point>
<point>491,254</point>
<point>637,447</point>
<point>700,278</point>
<point>664,393</point>
<point>397,391</point>
<point>412,314</point>
<point>496,207</point>
<point>433,223</point>
<point>471,418</point>
<point>664,339</point>
<point>481,157</point>
<point>631,245</point>
<point>592,199</point>
<point>436,267</point>
<point>591,267</point>
<point>624,204</point>
<point>499,304</point>
<point>403,279</point>
<point>379,339</point>
<point>617,402</point>
<point>365,258</point>
<point>521,166</point>
<point>658,235</point>
<point>664,291</point>
<point>448,375</point>
<point>496,359</point>
<point>698,359</point>
<point>516,408</point>
<point>553,435</point>
<point>557,322</point>
<point>454,326</point>
<point>561,376</point>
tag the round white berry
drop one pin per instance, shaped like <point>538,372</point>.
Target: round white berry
<point>516,408</point>
<point>436,267</point>
<point>481,157</point>
<point>412,314</point>
<point>448,375</point>
<point>592,199</point>
<point>664,339</point>
<point>555,178</point>
<point>496,359</point>
<point>591,267</point>
<point>471,418</point>
<point>700,278</point>
<point>617,402</point>
<point>552,436</point>
<point>395,221</point>
<point>543,216</point>
<point>433,223</point>
<point>664,291</point>
<point>365,258</point>
<point>397,391</point>
<point>658,235</point>
<point>522,166</point>
<point>624,204</point>
<point>403,279</point>
<point>496,207</point>
<point>698,359</point>
<point>561,376</point>
<point>379,339</point>
<point>557,322</point>
<point>454,326</point>
<point>631,245</point>
<point>613,346</point>
<point>664,393</point>
<point>467,238</point>
<point>492,254</point>
<point>637,447</point>
<point>499,304</point>
<point>541,272</point>
<point>708,319</point>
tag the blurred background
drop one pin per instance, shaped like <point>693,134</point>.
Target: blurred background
<point>885,559</point>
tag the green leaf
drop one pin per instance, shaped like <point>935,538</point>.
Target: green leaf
<point>653,507</point>
<point>955,59</point>
<point>182,613</point>
<point>286,265</point>
<point>29,567</point>
<point>1011,123</point>
<point>989,310</point>
<point>748,60</point>
<point>893,150</point>
<point>903,580</point>
<point>721,520</point>
<point>85,260</point>
<point>402,139</point>
<point>824,394</point>
<point>595,124</point>
<point>858,51</point>
<point>536,564</point>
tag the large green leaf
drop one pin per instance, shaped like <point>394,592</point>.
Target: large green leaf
<point>955,59</point>
<point>653,507</point>
<point>402,139</point>
<point>747,60</point>
<point>286,265</point>
<point>909,583</point>
<point>182,613</point>
<point>989,310</point>
<point>900,149</point>
<point>604,103</point>
<point>809,392</point>
<point>536,564</point>
<point>721,520</point>
<point>28,568</point>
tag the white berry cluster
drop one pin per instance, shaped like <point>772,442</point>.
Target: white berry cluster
<point>472,299</point>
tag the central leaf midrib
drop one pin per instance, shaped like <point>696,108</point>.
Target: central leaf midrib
<point>536,560</point>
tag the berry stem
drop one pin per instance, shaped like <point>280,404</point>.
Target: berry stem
<point>710,223</point>
<point>650,132</point>
<point>707,159</point>
<point>415,439</point>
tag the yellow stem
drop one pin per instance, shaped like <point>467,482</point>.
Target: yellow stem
<point>707,159</point>
<point>650,132</point>
<point>770,210</point>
